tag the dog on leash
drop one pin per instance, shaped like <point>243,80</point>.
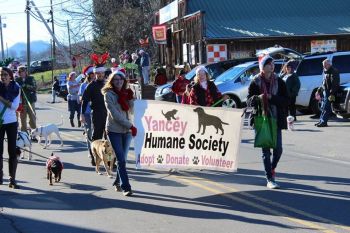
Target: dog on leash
<point>23,142</point>
<point>45,132</point>
<point>103,152</point>
<point>54,166</point>
<point>290,123</point>
<point>205,120</point>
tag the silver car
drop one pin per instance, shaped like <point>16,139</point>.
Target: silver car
<point>235,81</point>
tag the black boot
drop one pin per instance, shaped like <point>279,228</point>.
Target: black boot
<point>79,123</point>
<point>72,123</point>
<point>13,184</point>
<point>1,175</point>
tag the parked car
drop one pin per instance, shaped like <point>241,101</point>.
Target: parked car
<point>164,92</point>
<point>310,72</point>
<point>40,66</point>
<point>235,81</point>
<point>342,108</point>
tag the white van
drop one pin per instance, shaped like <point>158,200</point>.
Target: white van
<point>310,72</point>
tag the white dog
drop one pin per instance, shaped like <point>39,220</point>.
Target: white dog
<point>290,122</point>
<point>23,141</point>
<point>45,131</point>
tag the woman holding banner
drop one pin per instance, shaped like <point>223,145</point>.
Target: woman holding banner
<point>119,101</point>
<point>204,92</point>
<point>269,92</point>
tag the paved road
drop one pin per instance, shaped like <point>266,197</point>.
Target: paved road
<point>313,172</point>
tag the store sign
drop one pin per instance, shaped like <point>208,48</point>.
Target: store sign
<point>216,52</point>
<point>169,12</point>
<point>159,34</point>
<point>321,46</point>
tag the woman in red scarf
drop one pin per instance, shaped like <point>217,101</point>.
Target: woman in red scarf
<point>119,101</point>
<point>179,86</point>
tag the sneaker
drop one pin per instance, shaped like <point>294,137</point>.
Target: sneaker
<point>127,193</point>
<point>272,185</point>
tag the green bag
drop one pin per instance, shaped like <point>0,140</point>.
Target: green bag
<point>265,131</point>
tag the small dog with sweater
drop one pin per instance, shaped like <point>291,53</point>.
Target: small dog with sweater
<point>54,166</point>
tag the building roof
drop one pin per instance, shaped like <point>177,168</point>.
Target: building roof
<point>272,18</point>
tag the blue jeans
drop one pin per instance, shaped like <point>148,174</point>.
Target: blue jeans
<point>121,143</point>
<point>179,99</point>
<point>326,109</point>
<point>276,155</point>
<point>88,130</point>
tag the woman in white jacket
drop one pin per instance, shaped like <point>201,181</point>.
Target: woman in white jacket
<point>9,101</point>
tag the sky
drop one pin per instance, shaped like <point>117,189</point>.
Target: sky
<point>13,15</point>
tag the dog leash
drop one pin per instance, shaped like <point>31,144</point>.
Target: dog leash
<point>29,104</point>
<point>44,157</point>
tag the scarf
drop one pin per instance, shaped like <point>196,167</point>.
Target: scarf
<point>124,95</point>
<point>10,92</point>
<point>268,87</point>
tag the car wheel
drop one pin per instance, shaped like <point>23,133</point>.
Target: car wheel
<point>232,102</point>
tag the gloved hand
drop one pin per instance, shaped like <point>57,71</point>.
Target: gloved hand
<point>133,131</point>
<point>331,98</point>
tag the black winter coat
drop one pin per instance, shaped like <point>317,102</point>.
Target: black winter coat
<point>281,101</point>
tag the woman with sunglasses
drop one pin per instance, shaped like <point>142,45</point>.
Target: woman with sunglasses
<point>9,101</point>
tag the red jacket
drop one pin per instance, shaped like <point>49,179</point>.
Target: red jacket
<point>179,86</point>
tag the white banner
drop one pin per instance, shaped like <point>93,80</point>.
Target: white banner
<point>174,135</point>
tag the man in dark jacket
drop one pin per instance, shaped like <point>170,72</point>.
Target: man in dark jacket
<point>94,95</point>
<point>293,86</point>
<point>270,91</point>
<point>55,88</point>
<point>328,91</point>
<point>28,97</point>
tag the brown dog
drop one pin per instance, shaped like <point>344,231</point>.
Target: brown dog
<point>102,151</point>
<point>55,166</point>
<point>205,120</point>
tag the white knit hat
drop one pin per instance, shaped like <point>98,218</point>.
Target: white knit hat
<point>263,60</point>
<point>200,68</point>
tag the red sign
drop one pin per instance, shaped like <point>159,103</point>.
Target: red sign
<point>159,33</point>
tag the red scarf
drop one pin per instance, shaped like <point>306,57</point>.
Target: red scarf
<point>124,96</point>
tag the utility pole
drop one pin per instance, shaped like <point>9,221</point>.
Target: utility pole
<point>52,46</point>
<point>53,60</point>
<point>2,41</point>
<point>28,38</point>
<point>70,46</point>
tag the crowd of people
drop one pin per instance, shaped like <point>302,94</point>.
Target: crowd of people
<point>103,104</point>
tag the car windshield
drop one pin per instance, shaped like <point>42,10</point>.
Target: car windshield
<point>230,74</point>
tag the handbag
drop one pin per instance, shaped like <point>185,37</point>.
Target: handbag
<point>265,130</point>
<point>1,115</point>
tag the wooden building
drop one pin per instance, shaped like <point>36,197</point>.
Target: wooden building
<point>201,31</point>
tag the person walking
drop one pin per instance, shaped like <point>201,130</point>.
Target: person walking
<point>328,91</point>
<point>55,89</point>
<point>293,86</point>
<point>145,66</point>
<point>28,97</point>
<point>9,101</point>
<point>73,98</point>
<point>119,102</point>
<point>267,88</point>
<point>89,77</point>
<point>204,92</point>
<point>93,95</point>
<point>179,85</point>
